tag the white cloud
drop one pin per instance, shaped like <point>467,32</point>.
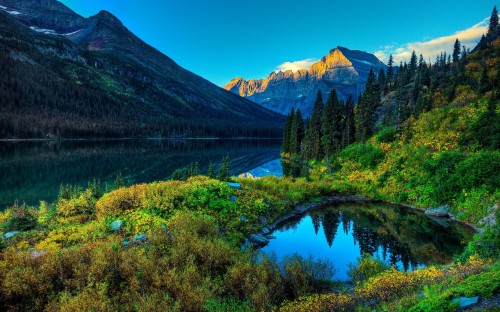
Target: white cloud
<point>297,65</point>
<point>431,48</point>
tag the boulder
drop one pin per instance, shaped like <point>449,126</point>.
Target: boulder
<point>466,302</point>
<point>10,234</point>
<point>243,218</point>
<point>259,239</point>
<point>117,225</point>
<point>265,231</point>
<point>233,185</point>
<point>233,198</point>
<point>441,211</point>
<point>140,238</point>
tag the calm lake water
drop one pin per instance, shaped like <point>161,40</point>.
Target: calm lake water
<point>33,171</point>
<point>340,233</point>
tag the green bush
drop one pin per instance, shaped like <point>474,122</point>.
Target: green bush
<point>366,266</point>
<point>22,218</point>
<point>227,305</point>
<point>387,135</point>
<point>367,155</point>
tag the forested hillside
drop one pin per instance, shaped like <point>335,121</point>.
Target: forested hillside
<point>423,134</point>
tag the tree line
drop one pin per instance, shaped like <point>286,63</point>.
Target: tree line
<point>392,97</point>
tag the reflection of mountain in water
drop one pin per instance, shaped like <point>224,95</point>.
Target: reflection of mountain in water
<point>33,171</point>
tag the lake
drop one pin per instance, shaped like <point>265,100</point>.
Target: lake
<point>403,237</point>
<point>33,171</point>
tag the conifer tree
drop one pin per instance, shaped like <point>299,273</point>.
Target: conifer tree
<point>287,132</point>
<point>382,81</point>
<point>224,174</point>
<point>456,51</point>
<point>348,123</point>
<point>390,70</point>
<point>211,171</point>
<point>297,133</point>
<point>331,125</point>
<point>493,28</point>
<point>313,131</point>
<point>413,64</point>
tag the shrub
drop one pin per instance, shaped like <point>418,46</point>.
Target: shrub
<point>387,135</point>
<point>367,155</point>
<point>20,218</point>
<point>367,266</point>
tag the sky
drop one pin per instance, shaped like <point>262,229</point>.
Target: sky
<point>223,39</point>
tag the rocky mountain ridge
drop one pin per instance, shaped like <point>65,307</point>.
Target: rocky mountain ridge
<point>343,69</point>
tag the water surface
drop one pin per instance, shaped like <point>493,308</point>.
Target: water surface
<point>340,233</point>
<point>33,171</point>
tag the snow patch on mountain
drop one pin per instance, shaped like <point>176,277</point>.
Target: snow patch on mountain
<point>44,31</point>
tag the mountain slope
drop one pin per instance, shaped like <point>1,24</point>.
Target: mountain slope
<point>343,69</point>
<point>105,81</point>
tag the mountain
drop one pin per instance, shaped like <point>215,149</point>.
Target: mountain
<point>342,69</point>
<point>63,75</point>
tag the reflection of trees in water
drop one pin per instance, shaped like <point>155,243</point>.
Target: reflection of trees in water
<point>32,171</point>
<point>399,235</point>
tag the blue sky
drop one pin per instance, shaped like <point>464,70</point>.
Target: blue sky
<point>223,39</point>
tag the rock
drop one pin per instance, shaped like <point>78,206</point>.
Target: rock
<point>243,218</point>
<point>442,222</point>
<point>125,243</point>
<point>441,211</point>
<point>233,185</point>
<point>117,225</point>
<point>490,219</point>
<point>164,227</point>
<point>10,234</point>
<point>38,253</point>
<point>465,302</point>
<point>263,220</point>
<point>140,238</point>
<point>258,239</point>
<point>265,231</point>
<point>233,198</point>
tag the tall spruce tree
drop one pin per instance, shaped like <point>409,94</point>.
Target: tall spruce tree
<point>297,133</point>
<point>287,132</point>
<point>413,65</point>
<point>348,123</point>
<point>382,81</point>
<point>312,138</point>
<point>390,71</point>
<point>456,51</point>
<point>493,28</point>
<point>331,125</point>
<point>367,106</point>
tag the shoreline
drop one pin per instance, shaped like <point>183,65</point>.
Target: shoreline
<point>264,236</point>
<point>132,139</point>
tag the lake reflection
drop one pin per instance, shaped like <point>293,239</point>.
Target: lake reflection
<point>402,237</point>
<point>33,171</point>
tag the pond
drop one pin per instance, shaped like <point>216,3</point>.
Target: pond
<point>33,171</point>
<point>341,233</point>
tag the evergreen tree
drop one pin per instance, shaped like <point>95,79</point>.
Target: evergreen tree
<point>313,131</point>
<point>211,171</point>
<point>483,43</point>
<point>456,51</point>
<point>390,71</point>
<point>413,65</point>
<point>297,133</point>
<point>224,174</point>
<point>382,81</point>
<point>348,124</point>
<point>287,132</point>
<point>493,28</point>
<point>331,125</point>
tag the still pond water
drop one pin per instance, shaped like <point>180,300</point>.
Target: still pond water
<point>33,171</point>
<point>406,238</point>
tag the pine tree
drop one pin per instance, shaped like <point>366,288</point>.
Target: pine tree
<point>456,51</point>
<point>413,65</point>
<point>493,28</point>
<point>382,81</point>
<point>211,172</point>
<point>287,132</point>
<point>297,133</point>
<point>390,70</point>
<point>331,125</point>
<point>313,131</point>
<point>349,125</point>
<point>224,174</point>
